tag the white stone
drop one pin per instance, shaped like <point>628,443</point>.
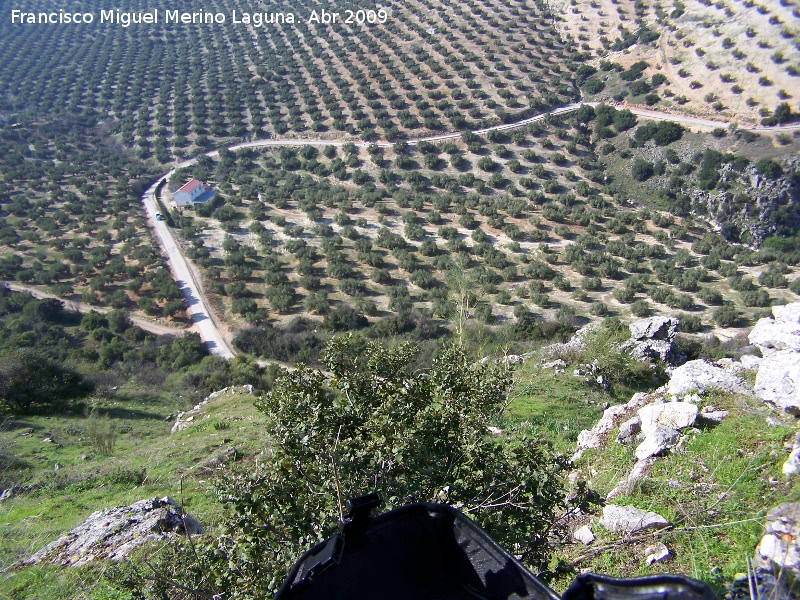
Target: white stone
<point>778,380</point>
<point>778,548</point>
<point>629,519</point>
<point>700,375</point>
<point>640,470</point>
<point>780,333</point>
<point>628,430</point>
<point>750,361</point>
<point>583,535</point>
<point>656,553</point>
<point>713,414</point>
<point>662,328</point>
<point>656,442</point>
<point>792,464</point>
<point>672,415</point>
<point>116,532</point>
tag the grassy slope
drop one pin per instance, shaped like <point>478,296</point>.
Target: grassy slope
<point>176,465</point>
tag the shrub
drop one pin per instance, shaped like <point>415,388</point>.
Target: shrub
<point>726,315</point>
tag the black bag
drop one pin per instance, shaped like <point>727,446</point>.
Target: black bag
<point>434,552</point>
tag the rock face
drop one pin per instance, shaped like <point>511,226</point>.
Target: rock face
<point>778,377</point>
<point>629,519</point>
<point>652,338</point>
<point>779,548</point>
<point>701,375</point>
<point>116,532</point>
<point>780,333</point>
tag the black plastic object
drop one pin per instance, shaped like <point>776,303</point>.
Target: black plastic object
<point>434,552</point>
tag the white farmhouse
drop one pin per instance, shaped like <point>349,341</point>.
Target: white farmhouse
<point>193,192</point>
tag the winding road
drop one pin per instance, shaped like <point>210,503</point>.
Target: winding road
<point>203,317</point>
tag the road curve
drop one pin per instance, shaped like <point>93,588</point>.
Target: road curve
<point>82,307</point>
<point>201,314</point>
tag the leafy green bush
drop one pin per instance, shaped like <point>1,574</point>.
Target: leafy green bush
<point>379,424</point>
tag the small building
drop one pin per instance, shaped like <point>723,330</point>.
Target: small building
<point>193,192</point>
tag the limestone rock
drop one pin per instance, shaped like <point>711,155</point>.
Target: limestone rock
<point>778,548</point>
<point>657,553</point>
<point>652,338</point>
<point>750,361</point>
<point>116,532</point>
<point>671,415</point>
<point>583,535</point>
<point>629,519</point>
<point>654,328</point>
<point>657,441</point>
<point>713,415</point>
<point>778,380</point>
<point>701,375</point>
<point>780,333</point>
<point>629,430</point>
<point>792,464</point>
<point>185,419</point>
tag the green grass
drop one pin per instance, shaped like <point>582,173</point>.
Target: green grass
<point>556,406</point>
<point>146,462</point>
<point>716,492</point>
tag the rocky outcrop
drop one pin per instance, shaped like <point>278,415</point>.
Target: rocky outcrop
<point>186,419</point>
<point>758,210</point>
<point>629,519</point>
<point>115,533</point>
<point>701,375</point>
<point>652,338</point>
<point>778,339</point>
<point>780,333</point>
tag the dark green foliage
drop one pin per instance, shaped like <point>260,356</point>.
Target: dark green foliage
<point>642,170</point>
<point>380,424</point>
<point>726,315</point>
<point>769,168</point>
<point>344,318</point>
<point>30,382</point>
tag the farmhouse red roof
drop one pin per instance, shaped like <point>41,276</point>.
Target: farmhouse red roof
<point>190,186</point>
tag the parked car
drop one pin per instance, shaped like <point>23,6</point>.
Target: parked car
<point>159,217</point>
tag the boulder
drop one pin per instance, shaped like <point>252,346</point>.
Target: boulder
<point>780,333</point>
<point>778,381</point>
<point>583,535</point>
<point>701,375</point>
<point>114,533</point>
<point>654,328</point>
<point>629,430</point>
<point>629,519</point>
<point>657,441</point>
<point>778,549</point>
<point>670,415</point>
<point>652,338</point>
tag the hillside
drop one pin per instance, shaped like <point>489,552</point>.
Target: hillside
<point>464,252</point>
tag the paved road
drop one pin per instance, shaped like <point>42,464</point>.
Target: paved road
<point>152,327</point>
<point>203,317</point>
